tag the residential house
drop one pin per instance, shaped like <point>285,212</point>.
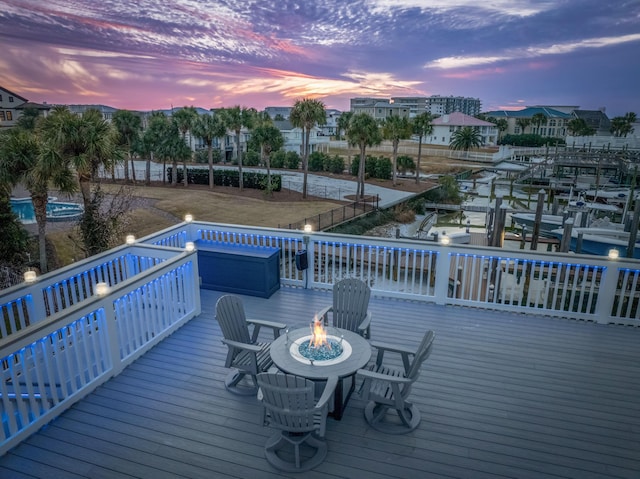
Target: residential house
<point>379,108</point>
<point>446,125</point>
<point>555,126</point>
<point>293,137</point>
<point>12,105</point>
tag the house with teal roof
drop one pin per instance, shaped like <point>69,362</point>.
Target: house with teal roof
<point>524,121</point>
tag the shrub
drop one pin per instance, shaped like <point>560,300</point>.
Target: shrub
<point>317,161</point>
<point>251,179</point>
<point>405,163</point>
<point>251,158</point>
<point>278,159</point>
<point>335,164</point>
<point>292,160</point>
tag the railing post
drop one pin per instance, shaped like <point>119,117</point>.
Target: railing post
<point>607,294</point>
<point>443,265</point>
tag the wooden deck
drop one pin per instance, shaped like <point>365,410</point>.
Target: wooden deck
<point>502,395</point>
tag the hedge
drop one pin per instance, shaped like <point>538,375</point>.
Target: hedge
<point>251,179</point>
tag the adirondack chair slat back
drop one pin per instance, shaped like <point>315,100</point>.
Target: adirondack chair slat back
<point>423,352</point>
<point>289,401</point>
<point>232,318</point>
<point>350,303</point>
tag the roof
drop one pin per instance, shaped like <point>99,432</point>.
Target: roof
<point>9,92</point>
<point>528,113</point>
<point>459,119</point>
<point>30,104</point>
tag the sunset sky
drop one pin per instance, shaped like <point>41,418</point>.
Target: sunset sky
<point>148,55</point>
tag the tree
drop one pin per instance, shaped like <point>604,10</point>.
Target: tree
<point>184,119</point>
<point>422,126</point>
<point>623,125</point>
<point>209,127</point>
<point>15,239</point>
<point>523,123</point>
<point>151,142</point>
<point>27,120</point>
<point>128,125</point>
<point>306,114</point>
<point>465,139</point>
<point>25,161</point>
<point>86,142</point>
<point>173,147</point>
<point>394,129</point>
<point>270,139</point>
<point>343,122</point>
<point>235,118</point>
<point>538,120</point>
<point>363,131</point>
<point>579,127</point>
<point>502,124</point>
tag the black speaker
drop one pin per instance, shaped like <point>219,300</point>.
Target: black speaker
<point>301,260</point>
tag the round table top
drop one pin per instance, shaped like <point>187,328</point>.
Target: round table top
<point>360,355</point>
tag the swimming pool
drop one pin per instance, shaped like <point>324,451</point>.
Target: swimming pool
<point>56,210</point>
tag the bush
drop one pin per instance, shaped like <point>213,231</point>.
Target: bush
<point>251,179</point>
<point>251,158</point>
<point>530,140</point>
<point>317,161</point>
<point>335,164</point>
<point>405,163</point>
<point>383,168</point>
<point>292,160</point>
<point>278,159</point>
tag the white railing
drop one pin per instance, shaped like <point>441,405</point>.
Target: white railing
<point>585,287</point>
<point>61,340</point>
<point>58,355</point>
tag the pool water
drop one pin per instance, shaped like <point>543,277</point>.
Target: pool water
<point>56,210</point>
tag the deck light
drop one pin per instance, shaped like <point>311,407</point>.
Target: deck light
<point>614,253</point>
<point>189,246</point>
<point>188,218</point>
<point>29,276</point>
<point>445,240</point>
<point>308,228</point>
<point>130,239</point>
<point>102,289</point>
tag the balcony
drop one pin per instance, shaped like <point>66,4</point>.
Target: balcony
<point>535,375</point>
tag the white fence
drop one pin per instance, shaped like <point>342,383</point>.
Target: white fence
<point>60,340</point>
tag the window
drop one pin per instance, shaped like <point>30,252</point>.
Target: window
<point>452,129</point>
<point>0,97</point>
<point>543,131</point>
<point>552,123</point>
<point>10,99</point>
<point>516,130</point>
<point>552,131</point>
<point>9,116</point>
<point>2,116</point>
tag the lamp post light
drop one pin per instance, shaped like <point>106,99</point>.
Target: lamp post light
<point>130,239</point>
<point>30,276</point>
<point>188,218</point>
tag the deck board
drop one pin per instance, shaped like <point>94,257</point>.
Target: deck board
<point>502,395</point>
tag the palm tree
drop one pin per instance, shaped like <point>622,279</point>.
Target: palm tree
<point>343,122</point>
<point>363,131</point>
<point>86,142</point>
<point>538,120</point>
<point>579,127</point>
<point>396,128</point>
<point>502,124</point>
<point>209,127</point>
<point>306,114</point>
<point>27,120</point>
<point>422,126</point>
<point>184,119</point>
<point>173,147</point>
<point>28,162</point>
<point>151,141</point>
<point>465,139</point>
<point>523,123</point>
<point>235,118</point>
<point>128,125</point>
<point>270,139</point>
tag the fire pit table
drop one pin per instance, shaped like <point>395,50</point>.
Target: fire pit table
<point>287,353</point>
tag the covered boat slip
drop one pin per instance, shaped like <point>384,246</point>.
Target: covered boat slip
<point>504,394</point>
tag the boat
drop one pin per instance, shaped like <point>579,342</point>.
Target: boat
<point>599,241</point>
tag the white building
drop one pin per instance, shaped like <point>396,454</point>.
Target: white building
<point>446,125</point>
<point>293,138</point>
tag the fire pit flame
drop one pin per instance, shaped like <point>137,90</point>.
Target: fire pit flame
<point>318,335</point>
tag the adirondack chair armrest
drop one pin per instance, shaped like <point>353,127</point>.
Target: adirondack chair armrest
<point>365,326</point>
<point>391,347</point>
<point>259,323</point>
<point>327,393</point>
<point>368,375</point>
<point>324,314</point>
<point>404,352</point>
<point>247,347</point>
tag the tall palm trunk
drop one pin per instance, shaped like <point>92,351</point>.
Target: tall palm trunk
<point>305,160</point>
<point>133,168</point>
<point>210,158</point>
<point>185,179</point>
<point>147,171</point>
<point>361,170</point>
<point>239,154</point>
<point>419,156</point>
<point>126,171</point>
<point>40,209</point>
